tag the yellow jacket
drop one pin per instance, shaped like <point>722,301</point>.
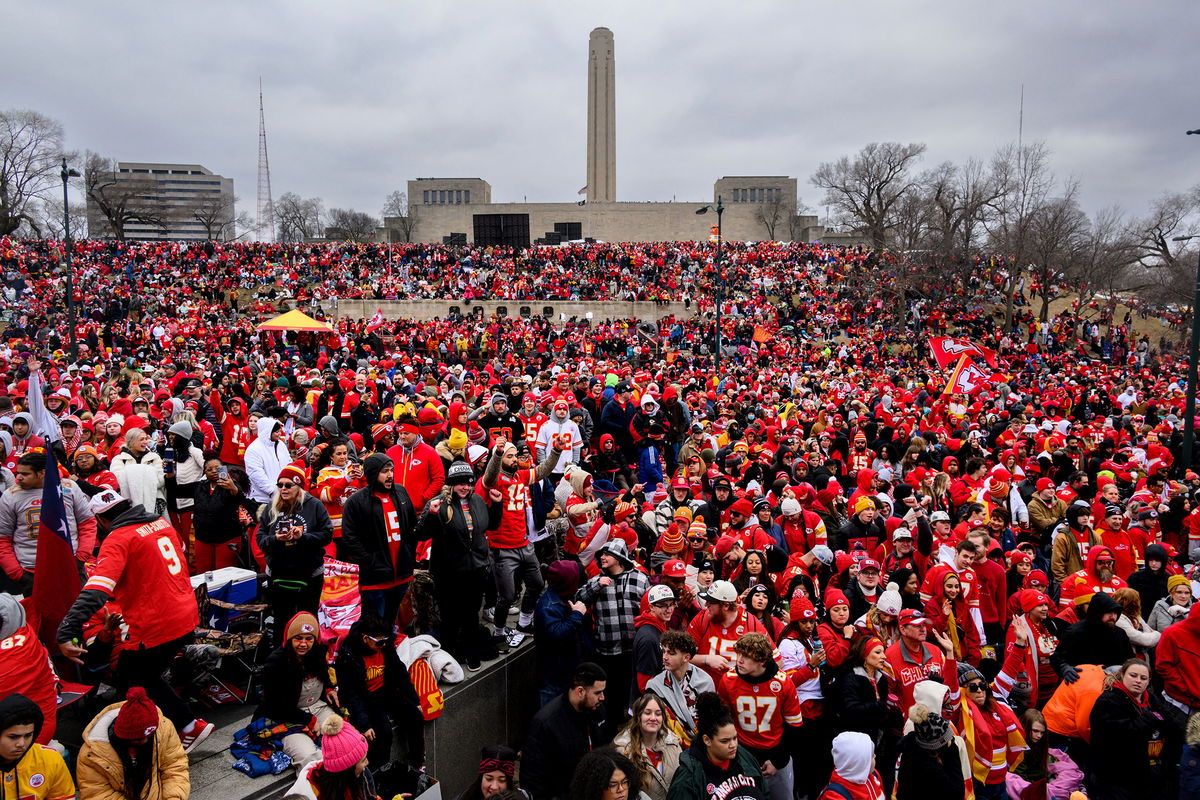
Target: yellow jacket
<point>99,770</point>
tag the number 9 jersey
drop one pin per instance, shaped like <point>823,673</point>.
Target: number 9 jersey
<point>142,566</point>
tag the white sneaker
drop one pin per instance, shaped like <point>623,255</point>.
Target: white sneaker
<point>504,632</point>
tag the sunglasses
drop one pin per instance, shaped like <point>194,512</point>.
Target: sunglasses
<point>378,639</point>
<point>977,686</point>
<point>283,485</point>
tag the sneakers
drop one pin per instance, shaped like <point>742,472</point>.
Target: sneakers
<point>473,665</point>
<point>191,736</point>
<point>488,614</point>
<point>503,632</point>
<point>523,628</point>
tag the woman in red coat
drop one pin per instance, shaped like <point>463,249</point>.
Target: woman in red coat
<point>947,612</point>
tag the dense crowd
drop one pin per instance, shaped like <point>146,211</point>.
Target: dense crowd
<point>814,573</point>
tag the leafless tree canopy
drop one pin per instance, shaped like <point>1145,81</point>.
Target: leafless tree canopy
<point>866,190</point>
<point>216,212</point>
<point>771,214</point>
<point>351,225</point>
<point>298,218</point>
<point>30,158</point>
<point>121,198</point>
<point>399,215</point>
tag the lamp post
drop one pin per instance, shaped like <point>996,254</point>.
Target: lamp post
<point>719,209</point>
<point>1189,414</point>
<point>69,173</point>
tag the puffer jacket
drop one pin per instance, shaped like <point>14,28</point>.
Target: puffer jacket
<point>99,770</point>
<point>142,481</point>
<point>656,783</point>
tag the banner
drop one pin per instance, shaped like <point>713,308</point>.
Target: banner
<point>340,605</point>
<point>947,351</point>
<point>967,378</point>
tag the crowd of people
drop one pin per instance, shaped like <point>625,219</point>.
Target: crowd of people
<point>813,573</point>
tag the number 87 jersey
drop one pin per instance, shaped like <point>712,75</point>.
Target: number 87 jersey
<point>761,706</point>
<point>142,566</point>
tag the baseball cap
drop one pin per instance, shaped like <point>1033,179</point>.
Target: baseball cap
<point>910,616</point>
<point>939,516</point>
<point>104,501</point>
<point>720,592</point>
<point>659,594</point>
<point>868,563</point>
<point>901,533</point>
<point>674,568</point>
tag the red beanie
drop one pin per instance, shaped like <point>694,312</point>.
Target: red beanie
<point>294,473</point>
<point>743,507</point>
<point>801,609</point>
<point>835,597</point>
<point>1031,599</point>
<point>138,716</point>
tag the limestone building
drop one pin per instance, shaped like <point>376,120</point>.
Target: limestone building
<point>461,209</point>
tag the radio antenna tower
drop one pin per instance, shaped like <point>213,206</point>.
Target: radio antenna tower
<point>264,229</point>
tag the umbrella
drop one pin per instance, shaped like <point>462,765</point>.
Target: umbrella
<point>295,321</point>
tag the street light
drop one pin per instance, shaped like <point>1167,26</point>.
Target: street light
<point>66,173</point>
<point>1189,415</point>
<point>719,209</point>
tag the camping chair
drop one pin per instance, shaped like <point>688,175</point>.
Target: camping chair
<point>240,648</point>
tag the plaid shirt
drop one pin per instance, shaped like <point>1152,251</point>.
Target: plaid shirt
<point>614,609</point>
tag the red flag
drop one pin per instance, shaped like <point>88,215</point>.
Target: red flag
<point>967,378</point>
<point>375,321</point>
<point>56,570</point>
<point>947,351</point>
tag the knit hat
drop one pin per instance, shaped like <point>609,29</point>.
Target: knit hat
<point>790,506</point>
<point>835,597</point>
<point>460,472</point>
<point>137,717</point>
<point>1177,580</point>
<point>457,439</point>
<point>672,541</point>
<point>475,433</point>
<point>302,624</point>
<point>743,507</point>
<point>294,473</point>
<point>563,577</point>
<point>801,608</point>
<point>889,601</point>
<point>698,529</point>
<point>342,746</point>
<point>862,504</point>
<point>932,730</point>
<point>1031,599</point>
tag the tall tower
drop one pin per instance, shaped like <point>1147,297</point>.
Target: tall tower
<point>601,119</point>
<point>264,223</point>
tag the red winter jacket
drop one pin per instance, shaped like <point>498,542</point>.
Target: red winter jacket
<point>1178,659</point>
<point>420,472</point>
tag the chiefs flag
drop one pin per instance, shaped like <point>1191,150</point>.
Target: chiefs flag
<point>967,378</point>
<point>947,351</point>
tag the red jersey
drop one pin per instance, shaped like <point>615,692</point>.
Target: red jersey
<point>514,523</point>
<point>235,432</point>
<point>712,639</point>
<point>761,706</point>
<point>908,671</point>
<point>25,669</point>
<point>419,471</point>
<point>533,425</point>
<point>142,567</point>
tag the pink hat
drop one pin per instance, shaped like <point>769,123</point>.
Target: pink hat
<point>342,746</point>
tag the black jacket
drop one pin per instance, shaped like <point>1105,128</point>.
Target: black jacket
<point>364,535</point>
<point>1090,641</point>
<point>558,737</point>
<point>928,774</point>
<point>282,676</point>
<point>296,559</point>
<point>215,513</point>
<point>1151,586</point>
<point>397,696</point>
<point>1122,736</point>
<point>454,549</point>
<point>858,707</point>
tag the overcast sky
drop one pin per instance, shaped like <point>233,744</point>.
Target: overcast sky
<point>362,96</point>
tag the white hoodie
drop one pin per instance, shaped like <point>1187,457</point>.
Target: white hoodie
<point>264,460</point>
<point>854,761</point>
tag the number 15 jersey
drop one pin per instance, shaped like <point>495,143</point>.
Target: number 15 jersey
<point>142,566</point>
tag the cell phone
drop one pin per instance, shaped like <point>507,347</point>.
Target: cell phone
<point>223,472</point>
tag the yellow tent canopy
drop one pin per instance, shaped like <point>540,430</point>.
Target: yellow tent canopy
<point>295,321</point>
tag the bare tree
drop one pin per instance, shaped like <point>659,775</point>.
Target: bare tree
<point>1057,244</point>
<point>1026,172</point>
<point>771,213</point>
<point>122,198</point>
<point>30,153</point>
<point>867,189</point>
<point>216,211</point>
<point>351,225</point>
<point>1105,266</point>
<point>298,218</point>
<point>45,219</point>
<point>399,215</point>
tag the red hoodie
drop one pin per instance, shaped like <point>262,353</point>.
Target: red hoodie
<point>1178,659</point>
<point>1085,580</point>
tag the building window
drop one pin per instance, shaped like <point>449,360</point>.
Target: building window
<point>426,196</point>
<point>467,196</point>
<point>525,311</point>
<point>458,196</point>
<point>547,312</point>
<point>502,311</point>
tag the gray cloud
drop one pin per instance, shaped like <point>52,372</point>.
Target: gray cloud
<point>362,96</point>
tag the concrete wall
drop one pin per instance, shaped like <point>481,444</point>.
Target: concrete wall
<point>608,222</point>
<point>428,309</point>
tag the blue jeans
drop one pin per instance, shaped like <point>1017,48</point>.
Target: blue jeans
<point>384,603</point>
